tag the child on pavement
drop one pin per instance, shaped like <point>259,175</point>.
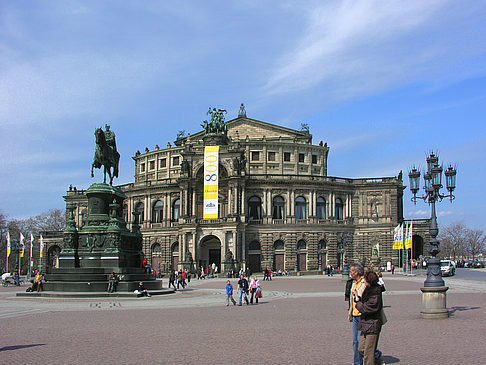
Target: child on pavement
<point>229,293</point>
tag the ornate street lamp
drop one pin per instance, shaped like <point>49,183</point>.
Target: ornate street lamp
<point>432,187</point>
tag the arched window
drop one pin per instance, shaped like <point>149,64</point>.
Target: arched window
<point>301,245</point>
<point>157,210</point>
<point>321,208</point>
<point>278,207</point>
<point>339,209</point>
<point>139,208</point>
<point>254,246</point>
<point>254,208</point>
<point>300,205</point>
<point>322,245</point>
<point>176,207</point>
<point>125,213</point>
<point>278,245</point>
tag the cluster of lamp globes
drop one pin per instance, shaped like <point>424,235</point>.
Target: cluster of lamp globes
<point>432,180</point>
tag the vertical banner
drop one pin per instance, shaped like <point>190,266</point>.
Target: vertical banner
<point>398,237</point>
<point>31,244</point>
<point>8,245</point>
<point>211,175</point>
<point>22,245</point>
<point>408,239</point>
<point>41,246</point>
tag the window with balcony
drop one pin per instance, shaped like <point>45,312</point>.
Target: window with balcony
<point>176,209</point>
<point>286,156</point>
<point>254,208</point>
<point>301,157</point>
<point>300,208</point>
<point>271,156</point>
<point>151,165</point>
<point>278,208</point>
<point>139,209</point>
<point>157,210</point>
<point>339,209</point>
<point>175,161</point>
<point>321,208</point>
<point>162,163</point>
<point>255,156</point>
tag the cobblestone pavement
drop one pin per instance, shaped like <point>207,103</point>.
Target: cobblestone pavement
<point>300,320</point>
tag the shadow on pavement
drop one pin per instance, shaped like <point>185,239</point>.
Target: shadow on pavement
<point>390,359</point>
<point>16,347</point>
<point>452,310</point>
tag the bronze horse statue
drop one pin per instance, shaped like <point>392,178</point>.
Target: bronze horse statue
<point>105,155</point>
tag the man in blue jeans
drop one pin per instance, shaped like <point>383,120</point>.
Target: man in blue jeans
<point>242,289</point>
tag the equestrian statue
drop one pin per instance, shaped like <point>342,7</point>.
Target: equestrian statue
<point>106,154</point>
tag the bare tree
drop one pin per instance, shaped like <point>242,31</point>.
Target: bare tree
<point>52,220</point>
<point>453,240</point>
<point>475,242</point>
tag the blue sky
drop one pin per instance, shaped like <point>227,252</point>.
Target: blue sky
<point>381,82</point>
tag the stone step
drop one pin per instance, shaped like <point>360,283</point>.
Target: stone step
<point>92,277</point>
<point>98,286</point>
<point>52,294</point>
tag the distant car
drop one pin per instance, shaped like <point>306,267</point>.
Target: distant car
<point>468,264</point>
<point>477,264</point>
<point>447,268</point>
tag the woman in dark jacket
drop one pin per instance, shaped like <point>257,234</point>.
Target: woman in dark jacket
<point>370,305</point>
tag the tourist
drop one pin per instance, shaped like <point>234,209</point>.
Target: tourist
<point>253,288</point>
<point>37,284</point>
<point>370,305</point>
<point>258,293</point>
<point>242,290</point>
<point>354,315</point>
<point>347,291</point>
<point>381,282</point>
<point>172,279</point>
<point>269,274</point>
<point>188,276</point>
<point>356,272</point>
<point>112,282</point>
<point>141,291</point>
<point>181,280</point>
<point>229,293</point>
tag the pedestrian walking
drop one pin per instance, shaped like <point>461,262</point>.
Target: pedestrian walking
<point>172,279</point>
<point>229,293</point>
<point>253,288</point>
<point>242,290</point>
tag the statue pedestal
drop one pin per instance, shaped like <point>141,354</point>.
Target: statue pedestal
<point>434,302</point>
<point>104,245</point>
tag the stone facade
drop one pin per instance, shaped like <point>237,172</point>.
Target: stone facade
<point>278,207</point>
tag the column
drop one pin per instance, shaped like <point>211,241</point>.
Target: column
<point>194,201</point>
<point>230,203</point>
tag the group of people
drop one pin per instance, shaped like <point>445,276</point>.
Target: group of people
<point>179,278</point>
<point>364,293</point>
<point>208,272</point>
<point>244,289</point>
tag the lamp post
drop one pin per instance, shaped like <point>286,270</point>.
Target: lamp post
<point>433,285</point>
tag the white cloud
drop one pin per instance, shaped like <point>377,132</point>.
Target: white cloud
<point>355,48</point>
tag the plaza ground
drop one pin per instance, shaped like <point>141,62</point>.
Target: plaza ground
<point>300,320</point>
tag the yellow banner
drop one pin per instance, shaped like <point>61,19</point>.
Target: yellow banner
<point>22,245</point>
<point>211,177</point>
<point>398,238</point>
<point>408,238</point>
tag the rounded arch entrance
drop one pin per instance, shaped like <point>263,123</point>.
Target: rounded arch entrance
<point>417,246</point>
<point>210,252</point>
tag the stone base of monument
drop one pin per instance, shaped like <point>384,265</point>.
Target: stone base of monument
<point>434,302</point>
<point>101,246</point>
